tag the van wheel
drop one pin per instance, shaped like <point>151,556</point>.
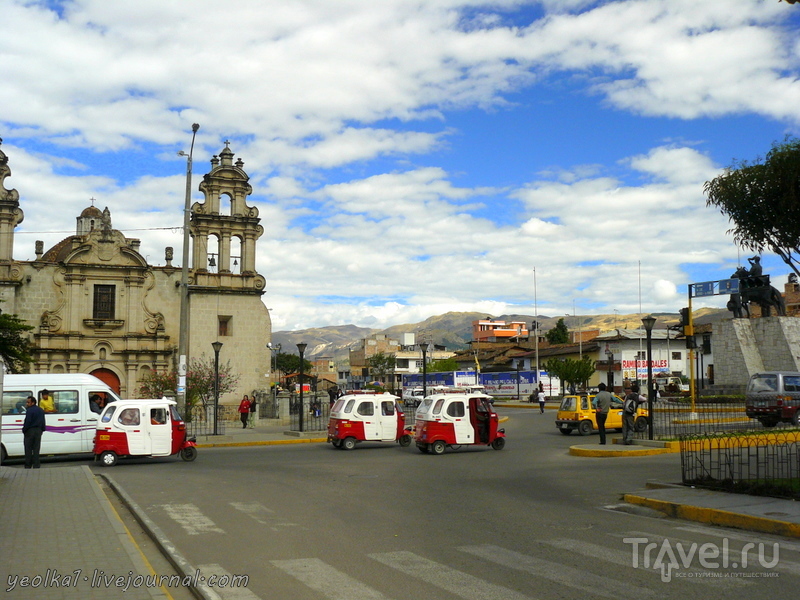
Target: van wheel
<point>585,427</point>
<point>438,447</point>
<point>640,424</point>
<point>108,458</point>
<point>3,455</point>
<point>499,443</point>
<point>770,422</point>
<point>349,443</point>
<point>405,440</point>
<point>189,453</point>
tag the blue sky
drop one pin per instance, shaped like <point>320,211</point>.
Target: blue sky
<point>410,158</point>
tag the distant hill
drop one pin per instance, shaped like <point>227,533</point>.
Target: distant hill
<point>454,329</point>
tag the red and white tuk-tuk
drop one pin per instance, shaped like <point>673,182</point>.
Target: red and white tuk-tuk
<point>367,418</point>
<point>458,419</point>
<point>128,428</point>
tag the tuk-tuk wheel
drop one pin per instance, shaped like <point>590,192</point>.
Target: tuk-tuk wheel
<point>336,443</point>
<point>422,447</point>
<point>108,458</point>
<point>499,443</point>
<point>438,447</point>
<point>349,443</point>
<point>405,440</point>
<point>189,453</point>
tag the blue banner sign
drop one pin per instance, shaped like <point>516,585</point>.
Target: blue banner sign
<point>713,288</point>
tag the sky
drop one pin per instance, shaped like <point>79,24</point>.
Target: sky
<point>410,157</point>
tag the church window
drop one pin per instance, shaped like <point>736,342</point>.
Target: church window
<point>104,302</point>
<point>224,326</point>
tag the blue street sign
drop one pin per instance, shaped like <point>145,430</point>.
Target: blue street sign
<point>704,289</point>
<point>729,286</point>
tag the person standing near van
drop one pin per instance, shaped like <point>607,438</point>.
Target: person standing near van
<point>244,410</point>
<point>602,402</point>
<point>32,429</point>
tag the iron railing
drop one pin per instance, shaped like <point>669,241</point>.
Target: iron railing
<point>201,422</point>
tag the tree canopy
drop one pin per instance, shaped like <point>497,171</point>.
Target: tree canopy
<point>558,334</point>
<point>443,365</point>
<point>290,363</point>
<point>762,201</point>
<point>15,348</point>
<point>571,371</point>
<point>199,381</point>
<point>381,364</point>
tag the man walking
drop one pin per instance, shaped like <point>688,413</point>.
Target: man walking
<point>540,395</point>
<point>629,408</point>
<point>32,430</point>
<point>602,401</point>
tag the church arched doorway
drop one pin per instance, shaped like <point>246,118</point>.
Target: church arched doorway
<point>108,377</point>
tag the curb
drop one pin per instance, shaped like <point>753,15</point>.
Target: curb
<point>716,517</point>
<point>578,451</point>
<point>163,543</point>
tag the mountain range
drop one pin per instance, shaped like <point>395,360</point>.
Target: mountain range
<point>454,330</point>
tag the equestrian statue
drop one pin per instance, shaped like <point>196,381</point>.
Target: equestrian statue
<point>755,287</point>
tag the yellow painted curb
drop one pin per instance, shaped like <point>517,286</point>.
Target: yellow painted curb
<point>716,517</point>
<point>576,451</point>
<point>264,443</point>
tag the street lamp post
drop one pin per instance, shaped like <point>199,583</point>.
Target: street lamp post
<point>424,348</point>
<point>183,333</point>
<point>301,348</point>
<point>648,322</point>
<point>217,347</point>
<point>273,366</point>
<point>518,396</point>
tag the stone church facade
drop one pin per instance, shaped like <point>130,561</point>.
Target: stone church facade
<point>98,307</point>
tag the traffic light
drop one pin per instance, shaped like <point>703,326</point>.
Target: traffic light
<point>686,324</point>
<point>691,343</point>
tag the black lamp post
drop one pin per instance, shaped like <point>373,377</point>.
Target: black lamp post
<point>518,366</point>
<point>424,348</point>
<point>648,322</point>
<point>610,374</point>
<point>301,348</point>
<point>273,358</point>
<point>217,347</point>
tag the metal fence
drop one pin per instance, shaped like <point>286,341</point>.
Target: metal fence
<point>673,419</point>
<point>766,463</point>
<point>201,422</point>
<point>316,412</point>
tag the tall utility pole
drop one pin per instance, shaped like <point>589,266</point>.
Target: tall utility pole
<point>184,324</point>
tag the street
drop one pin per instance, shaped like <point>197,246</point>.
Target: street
<point>307,521</point>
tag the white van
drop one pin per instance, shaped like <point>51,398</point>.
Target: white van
<point>71,423</point>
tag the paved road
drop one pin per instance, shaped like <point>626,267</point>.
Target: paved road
<point>309,522</point>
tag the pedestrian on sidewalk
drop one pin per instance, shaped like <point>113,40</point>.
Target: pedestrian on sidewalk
<point>251,420</point>
<point>629,407</point>
<point>244,411</point>
<point>32,429</point>
<point>602,401</point>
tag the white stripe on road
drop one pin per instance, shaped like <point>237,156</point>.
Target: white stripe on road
<point>261,514</point>
<point>226,593</point>
<point>191,519</point>
<point>326,580</point>
<point>454,581</point>
<point>580,579</point>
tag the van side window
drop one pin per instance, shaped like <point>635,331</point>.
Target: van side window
<point>387,408</point>
<point>455,409</point>
<point>366,408</point>
<point>14,402</point>
<point>66,401</point>
<point>791,383</point>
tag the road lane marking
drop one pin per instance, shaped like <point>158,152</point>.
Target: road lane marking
<point>452,580</point>
<point>226,593</point>
<point>191,519</point>
<point>261,514</point>
<point>326,580</point>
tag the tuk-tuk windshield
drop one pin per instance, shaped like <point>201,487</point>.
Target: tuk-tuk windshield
<point>109,412</point>
<point>437,408</point>
<point>349,407</point>
<point>174,414</point>
<point>426,404</point>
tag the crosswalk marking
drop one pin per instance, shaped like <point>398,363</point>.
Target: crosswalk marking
<point>326,580</point>
<point>225,593</point>
<point>624,559</point>
<point>261,514</point>
<point>191,519</point>
<point>452,580</point>
<point>580,579</point>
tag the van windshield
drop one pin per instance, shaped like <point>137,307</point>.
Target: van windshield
<point>765,382</point>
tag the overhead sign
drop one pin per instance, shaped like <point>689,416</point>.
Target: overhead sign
<point>713,288</point>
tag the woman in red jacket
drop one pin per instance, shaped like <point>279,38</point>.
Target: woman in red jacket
<point>244,411</point>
